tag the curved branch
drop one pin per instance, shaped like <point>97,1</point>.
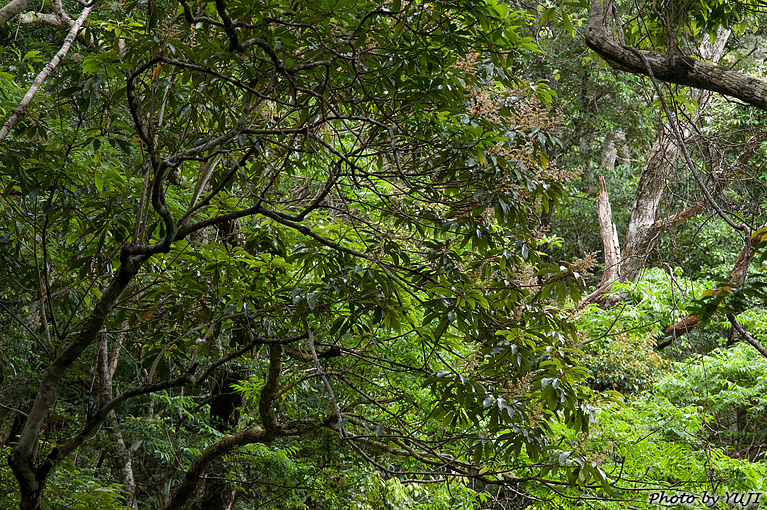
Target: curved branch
<point>208,455</point>
<point>98,417</point>
<point>53,20</point>
<point>231,31</point>
<point>191,19</point>
<point>160,167</point>
<point>678,69</point>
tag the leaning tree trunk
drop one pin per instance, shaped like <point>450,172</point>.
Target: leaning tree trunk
<point>644,226</point>
<point>735,279</point>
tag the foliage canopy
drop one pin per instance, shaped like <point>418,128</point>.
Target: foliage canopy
<point>307,254</point>
<point>327,202</point>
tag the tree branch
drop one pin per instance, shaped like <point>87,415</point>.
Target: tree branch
<point>735,324</point>
<point>678,218</point>
<point>12,9</point>
<point>54,20</point>
<point>23,457</point>
<point>21,110</point>
<point>99,416</point>
<point>736,278</point>
<point>679,69</point>
<point>208,455</point>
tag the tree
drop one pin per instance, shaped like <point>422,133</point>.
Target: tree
<point>671,34</point>
<point>644,226</point>
<point>331,199</point>
<point>602,35</point>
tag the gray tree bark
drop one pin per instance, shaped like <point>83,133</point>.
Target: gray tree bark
<point>643,229</point>
<point>673,68</point>
<point>644,226</point>
<point>683,70</point>
<point>122,463</point>
<point>11,9</point>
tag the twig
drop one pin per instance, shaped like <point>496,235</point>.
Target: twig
<point>735,324</point>
<point>25,415</point>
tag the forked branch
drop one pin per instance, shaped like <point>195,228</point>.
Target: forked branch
<point>21,110</point>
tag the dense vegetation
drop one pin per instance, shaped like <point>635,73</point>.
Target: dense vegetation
<point>335,254</point>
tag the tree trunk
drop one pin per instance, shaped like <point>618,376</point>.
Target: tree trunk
<point>122,464</point>
<point>644,227</point>
<point>612,249</point>
<point>11,9</point>
<point>640,236</point>
<point>30,471</point>
<point>218,493</point>
<point>609,236</point>
<point>32,498</point>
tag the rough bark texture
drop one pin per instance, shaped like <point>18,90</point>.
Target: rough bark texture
<point>58,17</point>
<point>612,250</point>
<point>644,227</point>
<point>11,9</point>
<point>652,182</point>
<point>673,68</point>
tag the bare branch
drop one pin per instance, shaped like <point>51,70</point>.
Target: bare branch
<point>21,110</point>
<point>672,68</point>
<point>736,278</point>
<point>23,458</point>
<point>54,20</point>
